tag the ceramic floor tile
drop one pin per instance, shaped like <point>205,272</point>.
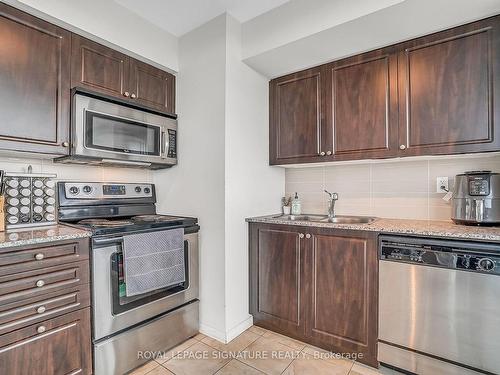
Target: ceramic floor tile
<point>165,356</point>
<point>238,368</point>
<point>160,371</point>
<point>258,330</point>
<point>308,365</point>
<point>237,344</point>
<point>199,336</point>
<point>199,359</point>
<point>288,341</point>
<point>332,358</point>
<point>144,369</point>
<point>268,355</point>
<point>359,369</point>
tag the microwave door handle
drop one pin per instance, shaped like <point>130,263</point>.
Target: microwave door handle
<point>162,144</point>
<point>165,145</point>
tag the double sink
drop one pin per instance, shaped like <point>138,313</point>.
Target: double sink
<point>325,219</point>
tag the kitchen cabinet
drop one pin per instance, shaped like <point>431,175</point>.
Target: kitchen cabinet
<point>107,71</point>
<point>297,131</point>
<point>439,94</point>
<point>34,76</point>
<point>449,91</point>
<point>45,309</point>
<point>362,105</point>
<point>317,285</point>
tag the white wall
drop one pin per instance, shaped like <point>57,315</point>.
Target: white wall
<point>112,24</point>
<point>252,186</point>
<point>196,185</point>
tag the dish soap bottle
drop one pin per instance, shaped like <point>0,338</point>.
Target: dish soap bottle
<point>296,205</point>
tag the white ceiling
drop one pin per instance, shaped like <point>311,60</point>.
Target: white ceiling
<point>181,16</point>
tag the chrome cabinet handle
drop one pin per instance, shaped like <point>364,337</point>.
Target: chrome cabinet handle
<point>65,144</point>
<point>126,94</point>
<point>301,235</point>
<point>322,153</point>
<point>40,283</point>
<point>308,236</point>
<point>39,256</point>
<point>402,147</point>
<point>41,310</point>
<point>328,153</point>
<point>41,329</point>
<point>133,96</point>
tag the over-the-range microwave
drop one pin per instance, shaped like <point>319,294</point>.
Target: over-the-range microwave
<point>110,133</point>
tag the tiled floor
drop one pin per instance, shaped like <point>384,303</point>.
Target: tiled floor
<point>256,351</point>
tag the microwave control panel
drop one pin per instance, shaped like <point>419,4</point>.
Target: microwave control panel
<point>172,143</point>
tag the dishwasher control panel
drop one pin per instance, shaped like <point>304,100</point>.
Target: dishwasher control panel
<point>470,256</point>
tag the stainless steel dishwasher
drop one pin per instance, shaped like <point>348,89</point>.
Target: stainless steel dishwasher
<point>439,305</point>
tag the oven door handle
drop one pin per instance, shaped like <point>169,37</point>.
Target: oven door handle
<point>106,241</point>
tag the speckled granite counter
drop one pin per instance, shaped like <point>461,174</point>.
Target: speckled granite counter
<point>399,226</point>
<point>34,236</point>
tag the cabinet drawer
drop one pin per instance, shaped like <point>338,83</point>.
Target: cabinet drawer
<point>25,312</point>
<point>27,258</point>
<point>57,346</point>
<point>38,282</point>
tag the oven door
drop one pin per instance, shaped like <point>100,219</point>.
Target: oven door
<point>113,311</point>
<point>111,131</point>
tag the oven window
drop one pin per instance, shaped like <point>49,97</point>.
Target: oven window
<point>123,303</point>
<point>109,133</point>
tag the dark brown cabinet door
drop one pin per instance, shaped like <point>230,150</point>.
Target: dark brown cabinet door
<point>57,346</point>
<point>449,91</point>
<point>35,82</point>
<point>99,68</point>
<point>342,279</point>
<point>276,264</point>
<point>362,105</point>
<point>152,87</point>
<point>297,133</point>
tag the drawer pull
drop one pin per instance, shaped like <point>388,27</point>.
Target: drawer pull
<point>39,256</point>
<point>40,283</point>
<point>41,329</point>
<point>41,310</point>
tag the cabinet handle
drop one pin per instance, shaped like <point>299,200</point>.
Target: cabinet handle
<point>126,94</point>
<point>328,152</point>
<point>133,96</point>
<point>402,147</point>
<point>308,236</point>
<point>41,310</point>
<point>301,235</point>
<point>65,144</point>
<point>322,153</point>
<point>39,256</point>
<point>40,283</point>
<point>41,329</point>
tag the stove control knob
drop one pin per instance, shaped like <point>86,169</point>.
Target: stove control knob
<point>486,264</point>
<point>147,190</point>
<point>87,189</point>
<point>138,189</point>
<point>74,190</point>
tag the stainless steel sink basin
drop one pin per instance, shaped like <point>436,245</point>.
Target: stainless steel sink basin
<point>326,219</point>
<point>349,220</point>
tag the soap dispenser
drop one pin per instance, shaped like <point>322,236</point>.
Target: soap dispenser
<point>296,205</point>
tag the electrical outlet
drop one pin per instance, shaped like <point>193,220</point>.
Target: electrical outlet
<point>442,185</point>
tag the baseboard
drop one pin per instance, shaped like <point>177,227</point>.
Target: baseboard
<point>239,328</point>
<point>213,333</point>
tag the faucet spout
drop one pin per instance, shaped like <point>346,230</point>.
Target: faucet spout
<point>331,207</point>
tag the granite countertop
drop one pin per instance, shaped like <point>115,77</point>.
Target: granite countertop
<point>33,236</point>
<point>400,226</point>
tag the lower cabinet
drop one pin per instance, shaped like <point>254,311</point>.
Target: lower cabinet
<point>318,285</point>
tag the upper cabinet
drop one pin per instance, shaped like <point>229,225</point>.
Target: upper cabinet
<point>297,130</point>
<point>449,85</point>
<point>438,94</point>
<point>34,79</point>
<point>102,69</point>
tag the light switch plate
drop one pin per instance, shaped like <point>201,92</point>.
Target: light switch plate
<point>442,185</point>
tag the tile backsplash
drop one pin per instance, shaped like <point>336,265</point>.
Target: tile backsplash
<point>392,189</point>
<point>75,171</point>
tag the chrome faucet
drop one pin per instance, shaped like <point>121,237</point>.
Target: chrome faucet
<point>331,208</point>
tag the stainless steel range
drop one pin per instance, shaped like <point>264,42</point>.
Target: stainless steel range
<point>126,326</point>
